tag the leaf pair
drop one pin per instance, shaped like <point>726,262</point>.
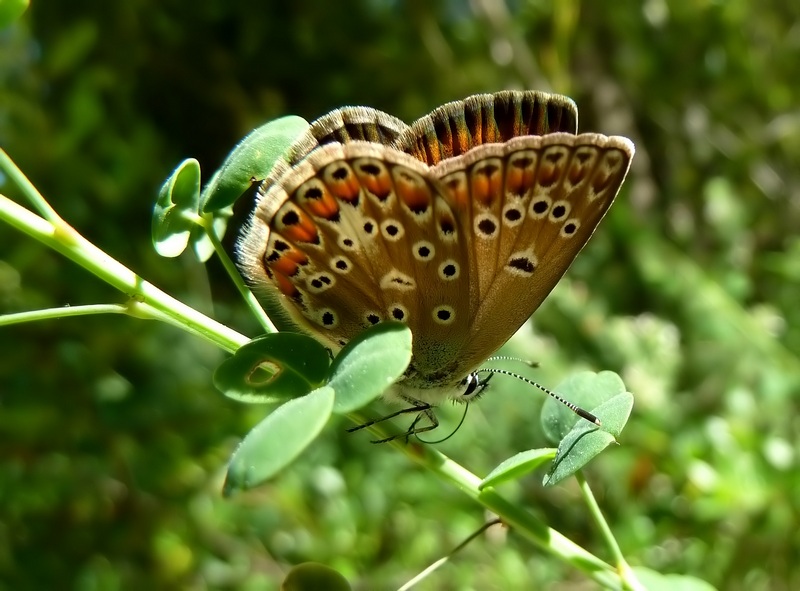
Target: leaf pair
<point>579,441</point>
<point>182,210</point>
<point>295,369</point>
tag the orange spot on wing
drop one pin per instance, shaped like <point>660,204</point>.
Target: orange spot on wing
<point>416,197</point>
<point>457,192</point>
<point>285,285</point>
<point>486,189</point>
<point>324,207</point>
<point>303,229</point>
<point>379,185</point>
<point>519,180</point>
<point>413,194</point>
<point>346,189</point>
<point>548,174</point>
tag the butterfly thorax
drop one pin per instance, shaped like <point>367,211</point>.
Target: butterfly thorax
<point>447,383</point>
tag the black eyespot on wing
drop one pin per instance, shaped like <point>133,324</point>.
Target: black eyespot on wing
<point>313,193</point>
<point>487,227</point>
<point>370,169</point>
<point>523,264</point>
<point>290,218</point>
<point>540,207</point>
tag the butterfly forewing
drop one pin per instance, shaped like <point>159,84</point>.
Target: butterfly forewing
<point>528,217</point>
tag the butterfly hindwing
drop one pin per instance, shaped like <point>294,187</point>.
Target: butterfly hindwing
<point>356,234</point>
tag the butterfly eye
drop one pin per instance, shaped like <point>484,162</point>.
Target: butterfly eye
<point>472,387</point>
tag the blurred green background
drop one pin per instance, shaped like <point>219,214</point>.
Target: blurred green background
<point>113,441</point>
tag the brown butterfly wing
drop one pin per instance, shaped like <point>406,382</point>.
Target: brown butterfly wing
<point>344,125</point>
<point>455,128</point>
<point>528,207</point>
<point>356,234</point>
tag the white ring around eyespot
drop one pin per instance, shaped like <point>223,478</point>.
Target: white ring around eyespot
<point>423,244</point>
<point>326,285</point>
<point>538,216</point>
<point>563,203</point>
<point>453,277</point>
<point>444,308</point>
<point>573,221</point>
<point>385,224</point>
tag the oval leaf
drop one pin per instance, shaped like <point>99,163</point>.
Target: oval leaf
<point>585,389</point>
<point>176,207</point>
<point>586,440</point>
<point>273,368</point>
<point>278,439</point>
<point>369,364</point>
<point>518,466</point>
<point>311,576</point>
<point>252,158</point>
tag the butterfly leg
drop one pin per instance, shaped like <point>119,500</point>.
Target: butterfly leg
<point>422,409</point>
<point>424,412</point>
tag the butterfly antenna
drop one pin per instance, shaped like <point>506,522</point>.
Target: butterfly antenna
<point>453,432</point>
<point>527,362</point>
<point>584,414</point>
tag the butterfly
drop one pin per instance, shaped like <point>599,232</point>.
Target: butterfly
<point>458,225</point>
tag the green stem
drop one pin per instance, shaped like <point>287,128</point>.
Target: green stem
<point>147,301</point>
<point>63,312</point>
<point>17,177</point>
<point>522,521</point>
<point>151,301</point>
<point>628,577</point>
<point>236,277</point>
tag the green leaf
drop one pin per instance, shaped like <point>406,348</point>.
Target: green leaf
<point>250,160</point>
<point>518,466</point>
<point>11,10</point>
<point>176,209</point>
<point>586,440</point>
<point>311,576</point>
<point>273,368</point>
<point>369,364</point>
<point>278,439</point>
<point>585,389</point>
<point>655,581</point>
